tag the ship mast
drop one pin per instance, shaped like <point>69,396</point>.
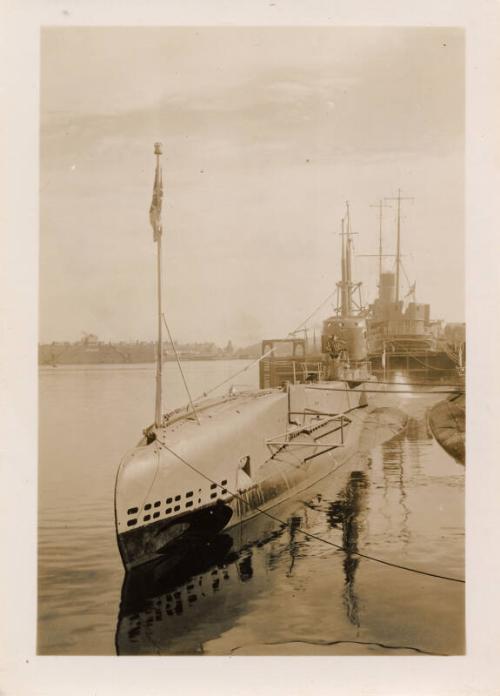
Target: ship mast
<point>380,241</point>
<point>398,246</point>
<point>346,286</point>
<point>380,205</point>
<point>398,237</point>
<point>343,283</point>
<point>155,220</point>
<point>348,260</point>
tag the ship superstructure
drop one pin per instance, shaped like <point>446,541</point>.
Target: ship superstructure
<point>343,353</point>
<point>402,336</point>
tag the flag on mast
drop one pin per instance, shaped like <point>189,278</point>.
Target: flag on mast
<point>155,209</point>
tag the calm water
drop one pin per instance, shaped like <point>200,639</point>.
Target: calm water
<point>263,588</point>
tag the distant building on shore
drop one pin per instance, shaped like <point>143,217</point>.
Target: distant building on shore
<point>90,351</point>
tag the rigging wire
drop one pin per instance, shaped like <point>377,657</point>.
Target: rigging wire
<point>180,368</point>
<point>229,379</point>
<point>405,275</point>
<point>264,355</point>
<point>313,313</point>
<point>303,531</point>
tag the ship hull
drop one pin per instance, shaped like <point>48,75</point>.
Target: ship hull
<point>247,454</point>
<point>429,365</point>
<point>149,542</point>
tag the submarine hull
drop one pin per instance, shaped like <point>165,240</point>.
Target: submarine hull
<point>246,454</point>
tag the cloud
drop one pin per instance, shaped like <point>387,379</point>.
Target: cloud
<point>264,140</point>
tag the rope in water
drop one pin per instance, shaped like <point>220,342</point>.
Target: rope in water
<point>303,531</point>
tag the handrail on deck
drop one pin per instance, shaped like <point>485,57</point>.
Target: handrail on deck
<point>286,437</point>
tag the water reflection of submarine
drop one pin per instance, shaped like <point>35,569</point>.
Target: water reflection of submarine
<point>186,612</point>
<point>198,591</point>
<point>174,608</point>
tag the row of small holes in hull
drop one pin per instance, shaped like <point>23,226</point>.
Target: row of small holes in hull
<point>168,501</point>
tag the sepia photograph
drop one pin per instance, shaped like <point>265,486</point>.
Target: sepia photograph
<point>252,348</point>
<point>249,291</point>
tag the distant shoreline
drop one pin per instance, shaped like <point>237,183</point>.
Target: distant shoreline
<point>91,351</point>
<point>145,362</point>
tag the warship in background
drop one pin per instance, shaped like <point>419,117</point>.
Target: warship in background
<point>343,352</point>
<point>406,340</point>
<point>401,337</point>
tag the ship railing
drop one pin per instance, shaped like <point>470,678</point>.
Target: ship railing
<point>274,372</point>
<point>406,344</point>
<point>359,370</point>
<point>286,439</point>
<point>312,372</point>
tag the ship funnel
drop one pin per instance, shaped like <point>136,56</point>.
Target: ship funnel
<point>387,288</point>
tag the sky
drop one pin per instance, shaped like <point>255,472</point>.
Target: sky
<point>266,133</point>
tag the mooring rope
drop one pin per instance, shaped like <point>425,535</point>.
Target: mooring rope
<point>303,531</point>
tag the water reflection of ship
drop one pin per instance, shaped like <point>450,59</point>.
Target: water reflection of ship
<point>179,604</point>
<point>417,428</point>
<point>345,513</point>
<point>163,605</point>
<point>295,544</point>
<point>395,456</point>
<point>394,472</point>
